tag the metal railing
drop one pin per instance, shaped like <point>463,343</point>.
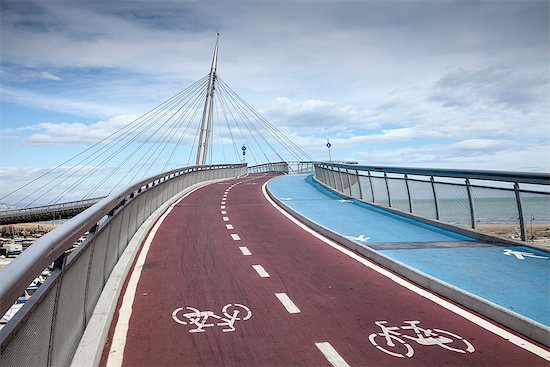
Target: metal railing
<point>291,167</point>
<point>269,167</point>
<point>47,329</point>
<point>482,200</point>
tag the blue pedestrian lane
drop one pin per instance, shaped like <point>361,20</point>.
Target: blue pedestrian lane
<point>514,277</point>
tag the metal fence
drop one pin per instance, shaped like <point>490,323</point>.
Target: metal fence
<point>499,202</point>
<point>269,167</point>
<point>47,329</point>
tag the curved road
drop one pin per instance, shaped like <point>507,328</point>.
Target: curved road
<point>225,278</point>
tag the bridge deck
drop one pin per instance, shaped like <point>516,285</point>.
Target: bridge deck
<point>310,302</point>
<point>495,272</point>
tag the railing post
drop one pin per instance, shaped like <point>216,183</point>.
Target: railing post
<point>435,198</point>
<point>359,184</point>
<point>408,193</point>
<point>371,187</point>
<point>471,201</point>
<point>387,188</point>
<point>520,212</point>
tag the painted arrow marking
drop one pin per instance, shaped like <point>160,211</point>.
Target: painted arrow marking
<point>520,255</point>
<point>360,238</point>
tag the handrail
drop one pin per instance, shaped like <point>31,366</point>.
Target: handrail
<point>540,178</point>
<point>17,275</point>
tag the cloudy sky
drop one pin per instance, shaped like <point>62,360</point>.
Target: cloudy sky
<point>460,84</point>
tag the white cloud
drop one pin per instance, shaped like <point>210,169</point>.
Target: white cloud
<point>56,103</point>
<point>49,76</point>
<point>318,116</point>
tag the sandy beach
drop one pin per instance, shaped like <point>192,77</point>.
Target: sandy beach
<point>538,234</point>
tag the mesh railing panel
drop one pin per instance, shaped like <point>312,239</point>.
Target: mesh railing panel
<point>536,216</point>
<point>95,281</point>
<point>345,182</point>
<point>338,180</point>
<point>355,189</point>
<point>380,191</point>
<point>30,346</point>
<point>398,194</point>
<point>111,252</point>
<point>496,211</point>
<point>124,239</point>
<point>366,188</point>
<point>422,199</point>
<point>69,316</point>
<point>454,206</point>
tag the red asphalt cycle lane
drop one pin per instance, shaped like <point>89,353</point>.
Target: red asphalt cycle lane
<point>195,265</point>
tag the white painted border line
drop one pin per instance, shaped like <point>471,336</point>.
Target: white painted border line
<point>118,344</point>
<point>287,302</point>
<point>331,354</point>
<point>261,271</point>
<point>229,226</point>
<point>235,237</point>
<point>245,251</point>
<point>489,326</point>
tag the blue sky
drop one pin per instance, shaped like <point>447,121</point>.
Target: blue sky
<point>461,84</point>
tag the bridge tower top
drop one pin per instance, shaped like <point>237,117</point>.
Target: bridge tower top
<point>204,139</point>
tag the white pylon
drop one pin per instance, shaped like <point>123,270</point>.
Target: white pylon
<point>202,151</point>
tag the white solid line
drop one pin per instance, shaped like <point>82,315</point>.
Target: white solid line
<point>116,352</point>
<point>331,355</point>
<point>222,207</point>
<point>261,271</point>
<point>225,219</point>
<point>245,251</point>
<point>235,237</point>
<point>229,226</point>
<point>466,314</point>
<point>287,302</point>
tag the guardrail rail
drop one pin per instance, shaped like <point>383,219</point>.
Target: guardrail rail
<point>474,199</point>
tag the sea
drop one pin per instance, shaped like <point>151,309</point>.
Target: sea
<point>536,210</point>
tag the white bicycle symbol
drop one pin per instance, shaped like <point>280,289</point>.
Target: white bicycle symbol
<point>232,312</point>
<point>396,340</point>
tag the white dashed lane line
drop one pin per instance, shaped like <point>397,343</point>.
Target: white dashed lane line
<point>222,207</point>
<point>331,354</point>
<point>287,302</point>
<point>245,251</point>
<point>261,271</point>
<point>235,237</point>
<point>229,226</point>
<point>225,219</point>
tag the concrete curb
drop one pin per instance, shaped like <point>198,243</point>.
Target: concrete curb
<point>530,328</point>
<point>90,348</point>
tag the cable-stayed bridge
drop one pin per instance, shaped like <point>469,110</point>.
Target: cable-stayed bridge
<point>220,262</point>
